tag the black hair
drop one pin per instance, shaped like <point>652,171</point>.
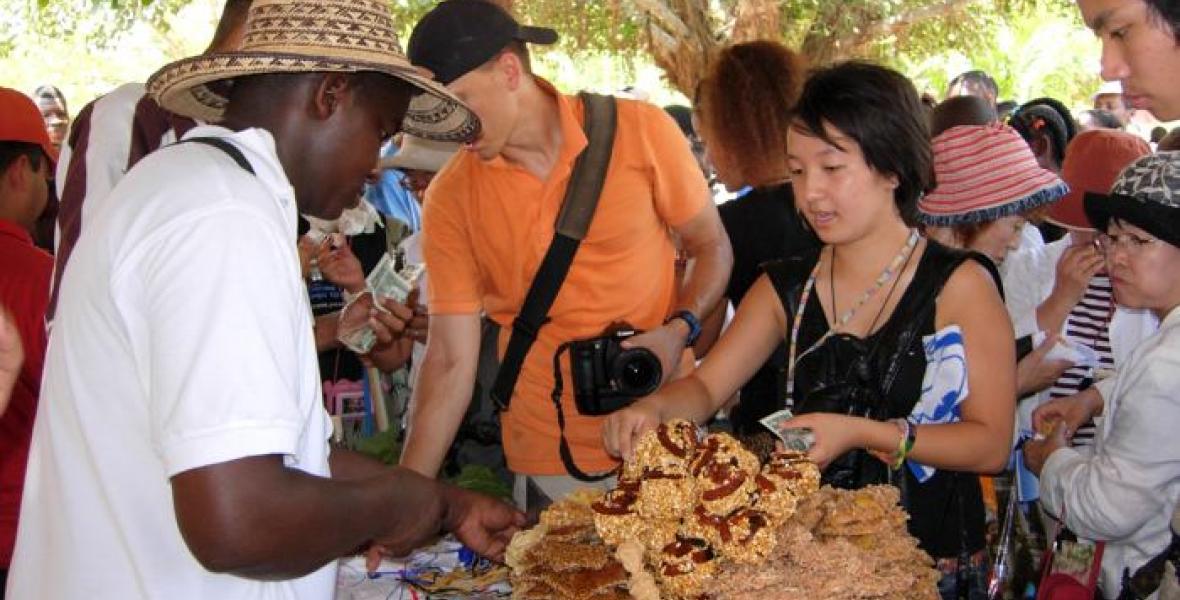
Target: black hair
<point>1049,117</point>
<point>976,77</point>
<point>1104,118</point>
<point>1005,109</point>
<point>880,110</point>
<point>961,110</point>
<point>1168,12</point>
<point>683,117</point>
<point>10,151</point>
<point>51,92</point>
<point>1170,142</point>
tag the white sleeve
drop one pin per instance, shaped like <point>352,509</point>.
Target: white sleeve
<point>1025,274</point>
<point>1110,494</point>
<point>223,304</point>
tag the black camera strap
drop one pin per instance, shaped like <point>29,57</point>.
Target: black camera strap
<point>567,457</point>
<point>577,210</point>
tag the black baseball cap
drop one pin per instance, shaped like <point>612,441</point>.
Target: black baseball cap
<point>458,36</point>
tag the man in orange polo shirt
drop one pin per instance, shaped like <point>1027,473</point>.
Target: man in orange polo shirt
<point>489,218</point>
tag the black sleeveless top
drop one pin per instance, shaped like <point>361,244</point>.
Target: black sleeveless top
<point>886,370</point>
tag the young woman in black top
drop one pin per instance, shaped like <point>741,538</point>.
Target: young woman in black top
<point>854,314</point>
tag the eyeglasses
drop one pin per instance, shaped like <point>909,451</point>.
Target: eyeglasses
<point>1129,242</point>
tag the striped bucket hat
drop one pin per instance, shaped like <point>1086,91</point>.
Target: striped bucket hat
<point>984,173</point>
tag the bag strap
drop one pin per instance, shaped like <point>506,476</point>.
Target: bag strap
<point>227,148</point>
<point>563,447</point>
<point>577,210</point>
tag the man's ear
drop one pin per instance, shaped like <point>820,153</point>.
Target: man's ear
<point>332,91</point>
<point>17,171</point>
<point>509,65</point>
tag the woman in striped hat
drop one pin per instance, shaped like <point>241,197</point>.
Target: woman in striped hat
<point>988,186</point>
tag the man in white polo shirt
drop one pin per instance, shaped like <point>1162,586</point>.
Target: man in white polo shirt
<point>180,448</point>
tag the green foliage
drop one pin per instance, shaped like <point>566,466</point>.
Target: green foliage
<point>478,478</point>
<point>1041,48</point>
<point>385,446</point>
<point>1032,47</point>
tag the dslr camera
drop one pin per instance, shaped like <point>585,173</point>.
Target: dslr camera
<point>608,377</point>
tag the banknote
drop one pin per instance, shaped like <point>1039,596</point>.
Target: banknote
<point>385,282</point>
<point>797,439</point>
<point>359,340</point>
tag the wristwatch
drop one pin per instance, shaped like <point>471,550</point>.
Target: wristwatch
<point>694,325</point>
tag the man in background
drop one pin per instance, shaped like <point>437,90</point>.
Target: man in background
<point>110,135</point>
<point>26,165</point>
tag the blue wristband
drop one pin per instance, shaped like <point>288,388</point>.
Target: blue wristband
<point>694,325</point>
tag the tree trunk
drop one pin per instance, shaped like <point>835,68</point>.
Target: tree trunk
<point>681,40</point>
<point>756,20</point>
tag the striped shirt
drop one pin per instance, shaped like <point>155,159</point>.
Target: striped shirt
<point>1088,323</point>
<point>108,137</point>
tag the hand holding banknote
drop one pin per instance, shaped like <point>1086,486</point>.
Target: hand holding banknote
<point>825,436</point>
<point>795,439</point>
<point>378,316</point>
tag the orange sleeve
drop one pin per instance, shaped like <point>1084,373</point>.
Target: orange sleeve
<point>678,186</point>
<point>452,283</point>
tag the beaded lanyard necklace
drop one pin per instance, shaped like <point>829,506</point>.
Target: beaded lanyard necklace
<point>887,274</point>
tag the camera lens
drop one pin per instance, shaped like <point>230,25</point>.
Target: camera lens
<point>637,372</point>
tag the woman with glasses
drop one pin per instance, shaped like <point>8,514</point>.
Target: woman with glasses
<point>1123,490</point>
<point>1064,288</point>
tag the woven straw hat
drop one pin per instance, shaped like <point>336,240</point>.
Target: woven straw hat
<point>292,36</point>
<point>985,173</point>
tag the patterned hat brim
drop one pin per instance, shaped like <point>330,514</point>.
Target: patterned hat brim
<point>183,87</point>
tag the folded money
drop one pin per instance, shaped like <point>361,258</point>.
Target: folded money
<point>797,439</point>
<point>385,282</point>
<point>353,330</point>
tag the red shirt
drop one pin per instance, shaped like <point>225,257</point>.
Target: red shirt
<point>25,271</point>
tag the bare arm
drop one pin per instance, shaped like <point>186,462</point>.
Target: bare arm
<point>1077,265</point>
<point>325,332</point>
<point>443,392</point>
<point>751,338</point>
<point>11,357</point>
<point>254,517</point>
<point>710,259</point>
<point>711,326</point>
<point>982,440</point>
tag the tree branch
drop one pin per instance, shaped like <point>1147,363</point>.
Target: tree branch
<point>898,22</point>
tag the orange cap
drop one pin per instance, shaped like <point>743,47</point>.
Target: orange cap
<point>1093,161</point>
<point>22,122</point>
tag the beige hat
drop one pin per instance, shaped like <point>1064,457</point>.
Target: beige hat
<point>420,155</point>
<point>292,36</point>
